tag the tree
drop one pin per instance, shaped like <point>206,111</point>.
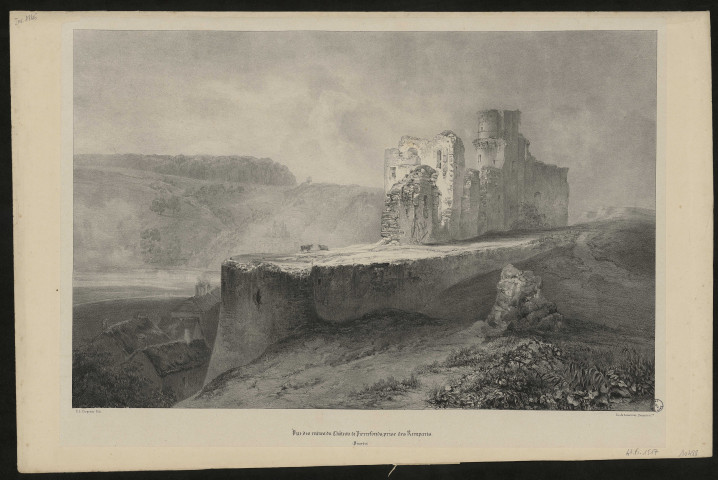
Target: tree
<point>159,204</point>
<point>529,217</point>
<point>156,250</point>
<point>173,204</point>
<point>150,245</point>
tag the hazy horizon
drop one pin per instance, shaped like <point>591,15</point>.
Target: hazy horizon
<point>327,104</point>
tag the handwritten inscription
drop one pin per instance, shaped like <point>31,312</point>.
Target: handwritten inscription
<point>688,453</point>
<point>27,18</point>
<point>641,452</point>
<point>88,410</point>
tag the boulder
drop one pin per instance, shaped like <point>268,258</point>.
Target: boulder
<point>520,305</point>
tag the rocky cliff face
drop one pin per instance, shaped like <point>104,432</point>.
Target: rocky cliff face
<point>261,303</point>
<point>265,300</point>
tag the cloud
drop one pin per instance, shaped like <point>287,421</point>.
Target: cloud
<point>327,104</point>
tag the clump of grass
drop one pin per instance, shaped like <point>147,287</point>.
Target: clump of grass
<point>298,385</point>
<point>623,369</point>
<point>576,376</point>
<point>435,396</point>
<point>534,374</point>
<point>466,356</point>
<point>386,388</point>
<point>434,367</point>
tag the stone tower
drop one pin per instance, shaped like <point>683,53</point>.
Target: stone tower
<point>497,138</point>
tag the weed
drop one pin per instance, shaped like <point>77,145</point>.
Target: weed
<point>466,356</point>
<point>534,374</point>
<point>434,367</point>
<point>384,389</point>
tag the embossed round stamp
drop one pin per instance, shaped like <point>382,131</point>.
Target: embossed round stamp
<point>657,405</point>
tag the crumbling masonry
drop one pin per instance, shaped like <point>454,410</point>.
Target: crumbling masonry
<point>434,194</point>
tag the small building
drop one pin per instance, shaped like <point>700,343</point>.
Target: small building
<point>202,287</point>
<point>176,368</point>
<point>195,318</point>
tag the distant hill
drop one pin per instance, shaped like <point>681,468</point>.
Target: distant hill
<point>612,213</point>
<point>243,169</point>
<point>129,214</point>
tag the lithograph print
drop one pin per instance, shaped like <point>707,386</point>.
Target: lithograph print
<point>364,220</point>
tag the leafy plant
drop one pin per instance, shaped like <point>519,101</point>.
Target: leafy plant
<point>529,217</point>
<point>533,374</point>
<point>169,204</point>
<point>386,388</point>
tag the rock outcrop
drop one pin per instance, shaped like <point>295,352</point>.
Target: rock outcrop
<point>265,300</point>
<point>520,305</point>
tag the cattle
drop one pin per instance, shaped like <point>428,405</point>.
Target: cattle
<point>323,247</point>
<point>306,248</point>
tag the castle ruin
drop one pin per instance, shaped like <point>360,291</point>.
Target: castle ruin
<point>435,194</point>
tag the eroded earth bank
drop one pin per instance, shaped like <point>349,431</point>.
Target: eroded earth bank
<point>405,327</point>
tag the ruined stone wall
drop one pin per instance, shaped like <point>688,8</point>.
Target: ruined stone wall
<point>546,193</point>
<point>512,169</point>
<point>397,166</point>
<point>491,208</point>
<point>489,153</point>
<point>411,208</point>
<point>445,155</point>
<point>450,164</point>
<point>533,194</point>
<point>500,188</point>
<point>471,204</point>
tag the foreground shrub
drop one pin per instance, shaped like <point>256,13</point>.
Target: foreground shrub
<point>539,375</point>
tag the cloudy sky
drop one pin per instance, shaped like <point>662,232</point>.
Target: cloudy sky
<point>327,104</point>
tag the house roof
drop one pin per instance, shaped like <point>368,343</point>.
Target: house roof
<point>199,304</point>
<point>188,306</point>
<point>177,356</point>
<point>135,334</point>
<point>205,302</point>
